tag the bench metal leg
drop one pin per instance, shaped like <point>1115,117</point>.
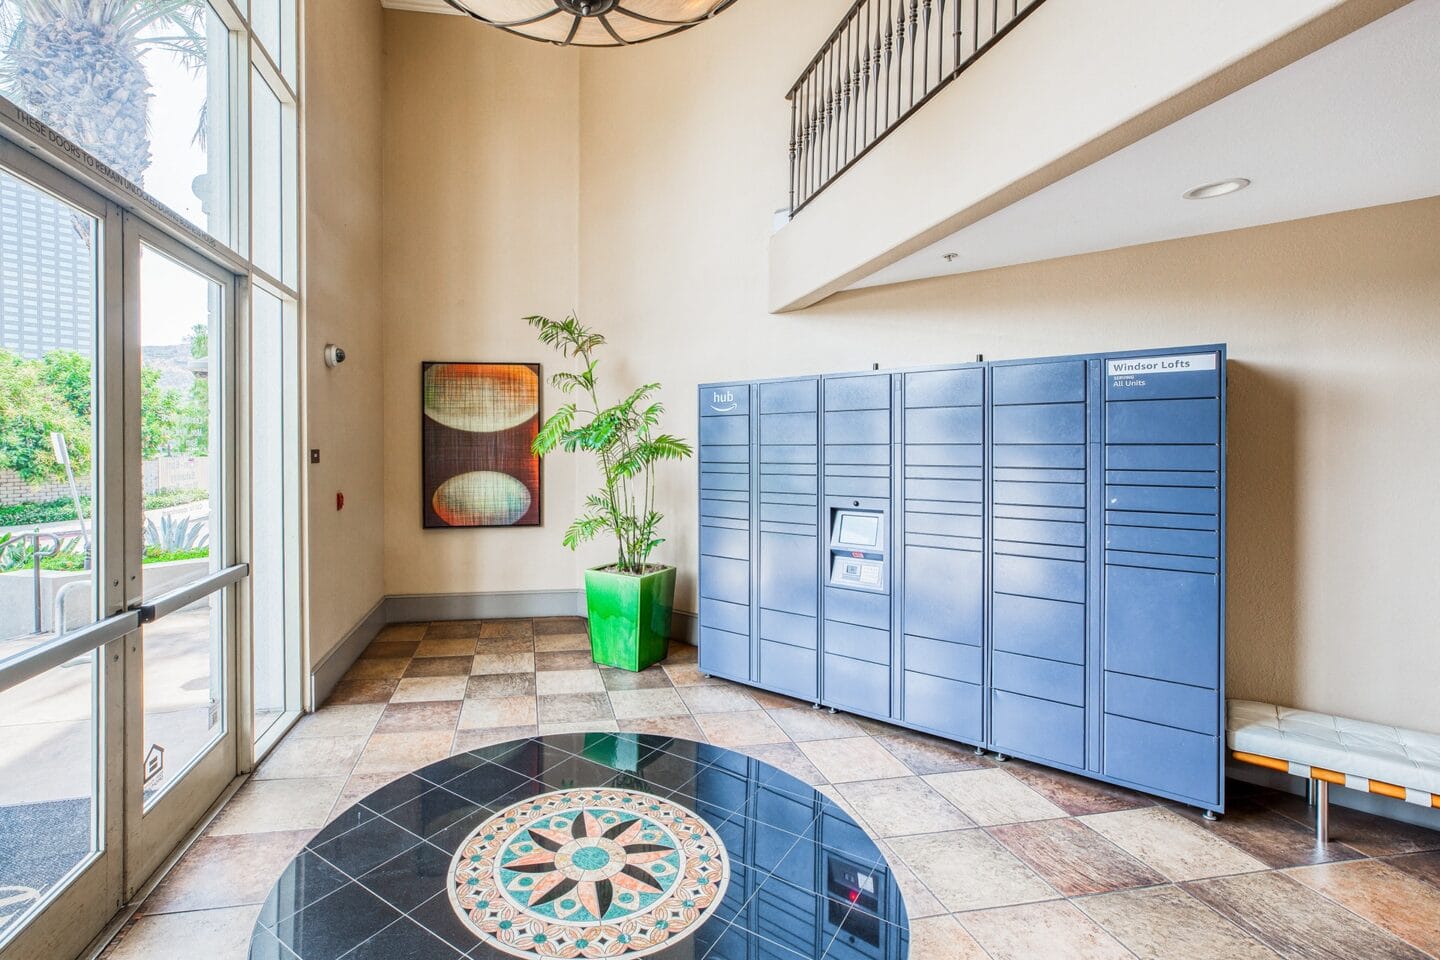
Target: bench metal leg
<point>1320,799</point>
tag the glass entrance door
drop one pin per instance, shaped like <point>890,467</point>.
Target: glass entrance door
<point>118,619</point>
<point>180,675</point>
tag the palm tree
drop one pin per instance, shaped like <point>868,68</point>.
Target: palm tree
<point>77,65</point>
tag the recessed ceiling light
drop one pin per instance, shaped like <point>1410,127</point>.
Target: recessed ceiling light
<point>951,257</point>
<point>1219,189</point>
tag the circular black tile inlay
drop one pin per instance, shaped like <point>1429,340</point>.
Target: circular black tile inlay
<point>588,845</point>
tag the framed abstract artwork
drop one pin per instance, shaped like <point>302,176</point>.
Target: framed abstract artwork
<point>477,423</point>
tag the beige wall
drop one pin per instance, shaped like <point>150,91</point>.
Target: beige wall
<point>342,94</point>
<point>481,180</point>
<point>1332,325</point>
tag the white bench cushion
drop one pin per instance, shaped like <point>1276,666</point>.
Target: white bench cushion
<point>1406,758</point>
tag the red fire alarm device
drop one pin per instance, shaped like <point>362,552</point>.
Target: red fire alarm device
<point>339,500</point>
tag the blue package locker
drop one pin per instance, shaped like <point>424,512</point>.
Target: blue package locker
<point>856,636</point>
<point>726,464</point>
<point>1163,522</point>
<point>788,502</point>
<point>941,571</point>
<point>1047,575</point>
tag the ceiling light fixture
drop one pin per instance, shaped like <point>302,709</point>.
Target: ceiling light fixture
<point>1217,189</point>
<point>591,23</point>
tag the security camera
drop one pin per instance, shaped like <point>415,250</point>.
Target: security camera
<point>334,355</point>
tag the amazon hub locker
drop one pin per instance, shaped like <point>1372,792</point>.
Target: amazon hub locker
<point>1025,555</point>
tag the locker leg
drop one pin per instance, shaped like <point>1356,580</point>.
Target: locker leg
<point>705,675</point>
<point>814,706</point>
<point>833,710</point>
<point>1211,815</point>
<point>1001,758</point>
<point>1321,790</point>
<point>979,751</point>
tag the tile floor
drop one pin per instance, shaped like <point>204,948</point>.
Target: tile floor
<point>1007,860</point>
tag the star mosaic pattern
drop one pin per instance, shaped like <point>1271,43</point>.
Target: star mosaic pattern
<point>588,873</point>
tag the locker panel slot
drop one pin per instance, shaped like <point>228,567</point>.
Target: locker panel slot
<point>947,706</point>
<point>792,670</point>
<point>956,661</point>
<point>1162,561</point>
<point>944,454</point>
<point>856,685</point>
<point>1038,728</point>
<point>789,575</point>
<point>971,490</point>
<point>1164,478</point>
<point>721,615</point>
<point>731,509</point>
<point>945,425</point>
<point>857,470</point>
<point>1190,543</point>
<point>724,454</point>
<point>1020,512</point>
<point>794,499</point>
<point>1035,577</point>
<point>1162,499</point>
<point>944,594</point>
<point>724,654</point>
<point>725,400</point>
<point>1162,457</point>
<point>737,496</point>
<point>1055,382</point>
<point>794,529</point>
<point>718,542</point>
<point>1155,701</point>
<point>787,513</point>
<point>1162,624</point>
<point>1039,628</point>
<point>1176,521</point>
<point>858,393</point>
<point>857,607</point>
<point>789,428</point>
<point>1040,531</point>
<point>789,483</point>
<point>1066,456</point>
<point>710,480</point>
<point>859,643</point>
<point>945,388</point>
<point>1042,550</point>
<point>727,430</point>
<point>1172,761</point>
<point>974,544</point>
<point>872,487</point>
<point>788,628</point>
<point>724,523</point>
<point>954,508</point>
<point>1044,423</point>
<point>1046,679</point>
<point>790,396</point>
<point>841,453</point>
<point>857,426</point>
<point>945,525</point>
<point>913,472</point>
<point>789,453</point>
<point>1040,494</point>
<point>1039,475</point>
<point>722,578</point>
<point>1163,421</point>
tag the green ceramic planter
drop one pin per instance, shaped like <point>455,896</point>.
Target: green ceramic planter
<point>629,616</point>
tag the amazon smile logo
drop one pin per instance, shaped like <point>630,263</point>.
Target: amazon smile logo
<point>723,402</point>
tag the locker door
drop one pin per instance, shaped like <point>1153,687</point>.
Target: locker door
<point>789,505</point>
<point>942,612</point>
<point>1039,582</point>
<point>725,530</point>
<point>1162,645</point>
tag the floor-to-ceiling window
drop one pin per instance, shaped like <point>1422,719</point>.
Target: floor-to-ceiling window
<point>150,611</point>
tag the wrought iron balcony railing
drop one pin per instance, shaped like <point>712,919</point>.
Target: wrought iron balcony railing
<point>881,64</point>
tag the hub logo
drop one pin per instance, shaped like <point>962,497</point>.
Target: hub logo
<point>723,401</point>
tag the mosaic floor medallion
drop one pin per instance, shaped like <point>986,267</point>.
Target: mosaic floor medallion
<point>596,872</point>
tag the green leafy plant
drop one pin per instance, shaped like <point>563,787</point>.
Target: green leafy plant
<point>174,533</point>
<point>623,438</point>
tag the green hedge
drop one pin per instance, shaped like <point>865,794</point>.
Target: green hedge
<point>72,562</point>
<point>58,511</point>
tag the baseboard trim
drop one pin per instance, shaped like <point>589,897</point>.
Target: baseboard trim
<point>416,607</point>
<point>328,671</point>
<point>424,607</point>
